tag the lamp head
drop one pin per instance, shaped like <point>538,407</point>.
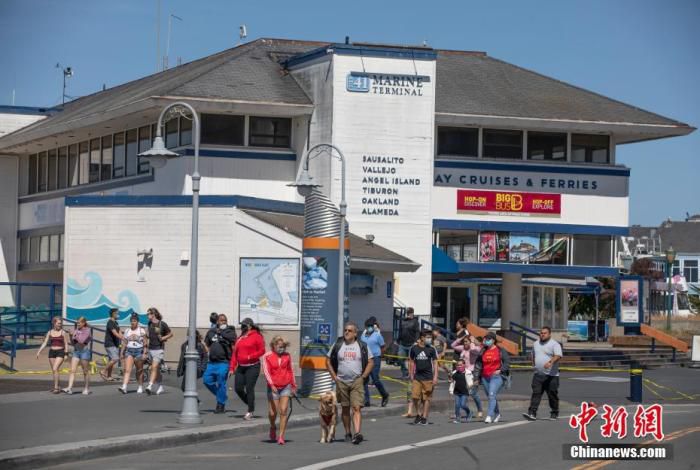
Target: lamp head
<point>157,156</point>
<point>670,255</point>
<point>304,184</point>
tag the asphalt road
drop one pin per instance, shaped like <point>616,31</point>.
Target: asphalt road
<point>393,443</point>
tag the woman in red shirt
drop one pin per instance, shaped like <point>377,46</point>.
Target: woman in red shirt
<point>279,373</point>
<point>245,362</point>
<point>492,367</point>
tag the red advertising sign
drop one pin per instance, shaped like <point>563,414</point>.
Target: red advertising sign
<point>506,202</point>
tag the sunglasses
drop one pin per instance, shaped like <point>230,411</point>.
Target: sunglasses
<point>348,329</point>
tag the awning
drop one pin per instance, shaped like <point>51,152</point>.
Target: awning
<point>443,264</point>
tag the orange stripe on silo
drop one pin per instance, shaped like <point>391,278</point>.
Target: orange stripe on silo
<point>312,362</point>
<point>324,243</point>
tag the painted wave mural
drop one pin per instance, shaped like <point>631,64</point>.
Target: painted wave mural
<point>85,298</point>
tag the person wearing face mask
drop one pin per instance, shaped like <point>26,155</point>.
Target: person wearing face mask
<point>423,371</point>
<point>219,340</point>
<point>245,363</point>
<point>461,379</point>
<point>279,374</point>
<point>374,340</point>
<point>492,367</point>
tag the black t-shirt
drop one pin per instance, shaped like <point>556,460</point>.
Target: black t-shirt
<point>460,383</point>
<point>423,358</point>
<point>155,330</point>
<point>220,343</point>
<point>111,341</point>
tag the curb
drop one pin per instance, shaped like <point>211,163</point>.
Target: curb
<point>43,456</point>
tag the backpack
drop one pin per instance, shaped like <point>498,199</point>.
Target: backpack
<point>364,352</point>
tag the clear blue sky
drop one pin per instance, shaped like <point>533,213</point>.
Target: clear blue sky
<point>638,51</point>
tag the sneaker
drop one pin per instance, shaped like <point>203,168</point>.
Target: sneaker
<point>280,441</point>
<point>385,401</point>
<point>554,416</point>
<point>219,409</point>
<point>487,420</point>
<point>357,438</point>
<point>348,437</point>
<point>160,390</point>
<point>497,418</point>
<point>148,389</point>
<point>140,389</point>
<point>122,389</point>
<point>86,391</point>
<point>273,434</point>
<point>455,421</point>
<point>248,416</point>
<point>417,419</point>
<point>479,415</point>
<point>67,391</point>
<point>530,416</point>
<point>423,422</point>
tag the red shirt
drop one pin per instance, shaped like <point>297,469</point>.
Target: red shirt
<point>278,370</point>
<point>248,350</point>
<point>491,361</point>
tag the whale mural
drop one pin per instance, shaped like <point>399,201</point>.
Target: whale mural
<point>85,298</point>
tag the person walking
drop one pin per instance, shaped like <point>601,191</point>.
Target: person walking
<point>81,355</point>
<point>350,363</point>
<point>423,370</point>
<point>461,379</point>
<point>440,344</point>
<point>469,348</point>
<point>202,359</point>
<point>546,354</point>
<point>245,363</point>
<point>112,343</point>
<point>374,340</point>
<point>281,385</point>
<point>492,367</point>
<point>158,333</point>
<point>408,335</point>
<point>133,353</point>
<point>461,327</point>
<point>220,341</point>
<point>57,339</point>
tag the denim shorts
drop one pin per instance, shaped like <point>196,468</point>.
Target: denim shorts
<point>281,392</point>
<point>83,355</point>
<point>136,353</point>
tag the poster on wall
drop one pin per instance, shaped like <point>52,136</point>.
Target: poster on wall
<point>628,295</point>
<point>487,246</point>
<point>523,246</point>
<point>471,253</point>
<point>269,290</point>
<point>502,246</point>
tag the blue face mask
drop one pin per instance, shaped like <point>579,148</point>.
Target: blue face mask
<point>488,342</point>
<point>370,329</point>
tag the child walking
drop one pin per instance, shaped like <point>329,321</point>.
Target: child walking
<point>461,391</point>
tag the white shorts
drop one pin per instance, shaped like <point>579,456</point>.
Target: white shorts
<point>156,355</point>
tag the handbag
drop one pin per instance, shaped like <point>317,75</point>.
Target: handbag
<point>451,388</point>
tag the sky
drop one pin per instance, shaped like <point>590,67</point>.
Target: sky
<point>640,52</point>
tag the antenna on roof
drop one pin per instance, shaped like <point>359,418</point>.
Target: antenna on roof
<point>242,33</point>
<point>425,43</point>
<point>67,73</point>
<point>166,58</point>
<point>347,39</point>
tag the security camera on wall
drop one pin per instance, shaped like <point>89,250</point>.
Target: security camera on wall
<point>370,238</point>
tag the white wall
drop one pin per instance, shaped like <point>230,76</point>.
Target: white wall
<point>9,167</point>
<point>10,122</point>
<point>376,304</point>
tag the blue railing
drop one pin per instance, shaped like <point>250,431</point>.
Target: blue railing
<point>28,324</point>
<point>522,332</point>
<point>445,332</point>
<point>10,348</point>
<point>93,340</point>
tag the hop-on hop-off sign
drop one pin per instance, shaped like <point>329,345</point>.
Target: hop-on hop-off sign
<point>505,202</point>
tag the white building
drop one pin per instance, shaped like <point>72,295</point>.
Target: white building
<point>510,173</point>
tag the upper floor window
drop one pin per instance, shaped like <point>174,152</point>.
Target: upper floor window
<point>270,132</point>
<point>223,129</point>
<point>458,141</point>
<point>546,146</point>
<point>503,143</point>
<point>690,270</point>
<point>590,148</point>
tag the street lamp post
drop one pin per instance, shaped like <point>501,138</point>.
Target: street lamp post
<point>305,185</point>
<point>670,258</point>
<point>157,157</point>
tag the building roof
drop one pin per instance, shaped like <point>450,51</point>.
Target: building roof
<point>360,249</point>
<point>683,236</point>
<point>468,83</point>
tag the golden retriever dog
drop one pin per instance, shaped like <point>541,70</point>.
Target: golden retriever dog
<point>327,411</point>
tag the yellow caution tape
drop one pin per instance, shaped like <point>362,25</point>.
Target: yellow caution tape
<point>663,387</point>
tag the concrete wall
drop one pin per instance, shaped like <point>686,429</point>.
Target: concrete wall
<point>376,304</point>
<point>9,167</point>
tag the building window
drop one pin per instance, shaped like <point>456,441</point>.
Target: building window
<point>23,250</point>
<point>119,156</point>
<point>62,167</point>
<point>690,270</point>
<point>131,152</point>
<point>107,158</point>
<point>588,148</point>
<point>592,250</point>
<point>84,159</point>
<point>33,168</point>
<point>94,160</point>
<point>458,141</point>
<point>73,167</point>
<point>61,242</point>
<point>546,146</point>
<point>270,132</point>
<point>220,129</point>
<point>54,244</point>
<point>34,243</point>
<point>144,144</point>
<point>185,131</point>
<point>171,133</point>
<point>676,269</point>
<point>43,168</point>
<point>53,169</point>
<point>44,249</point>
<point>499,143</point>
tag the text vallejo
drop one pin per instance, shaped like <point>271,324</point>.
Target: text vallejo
<point>386,84</point>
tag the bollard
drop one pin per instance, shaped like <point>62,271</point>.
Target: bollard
<point>636,384</point>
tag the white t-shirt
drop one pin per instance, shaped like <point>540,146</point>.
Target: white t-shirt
<point>350,361</point>
<point>134,338</point>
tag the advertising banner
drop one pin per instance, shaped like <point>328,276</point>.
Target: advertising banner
<point>473,201</point>
<point>487,246</point>
<point>269,290</point>
<point>629,301</point>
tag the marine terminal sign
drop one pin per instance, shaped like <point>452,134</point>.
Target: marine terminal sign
<point>386,84</point>
<point>505,202</point>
